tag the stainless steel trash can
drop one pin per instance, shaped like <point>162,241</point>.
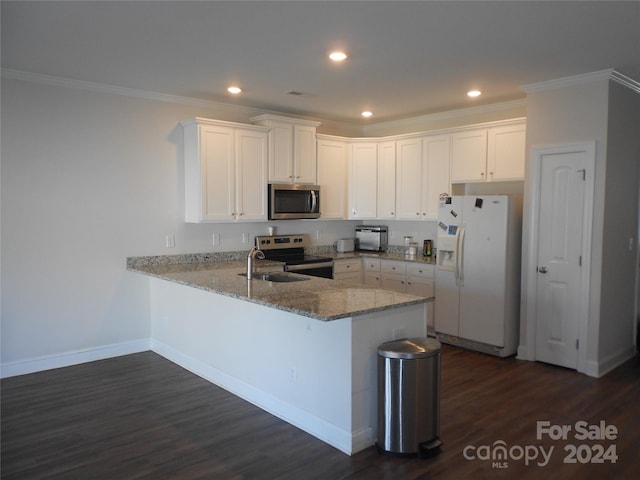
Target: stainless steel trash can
<point>409,396</point>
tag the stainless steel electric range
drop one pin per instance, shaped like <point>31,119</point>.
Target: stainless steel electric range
<point>290,250</point>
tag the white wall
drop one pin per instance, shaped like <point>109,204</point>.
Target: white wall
<point>92,175</point>
<point>580,112</point>
<point>89,179</point>
<point>619,258</point>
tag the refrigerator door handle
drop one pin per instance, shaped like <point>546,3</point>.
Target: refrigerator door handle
<point>460,259</point>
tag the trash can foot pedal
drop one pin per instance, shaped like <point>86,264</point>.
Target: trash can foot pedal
<point>430,448</point>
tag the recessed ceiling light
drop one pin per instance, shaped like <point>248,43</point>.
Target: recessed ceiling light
<point>234,90</point>
<point>367,114</point>
<point>474,93</point>
<point>338,56</point>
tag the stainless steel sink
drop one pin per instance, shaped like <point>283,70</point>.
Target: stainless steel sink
<point>276,277</point>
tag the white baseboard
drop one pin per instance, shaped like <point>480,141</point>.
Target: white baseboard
<point>604,366</point>
<point>319,428</point>
<point>522,353</point>
<point>67,359</point>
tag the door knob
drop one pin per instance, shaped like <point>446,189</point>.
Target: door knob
<point>543,269</point>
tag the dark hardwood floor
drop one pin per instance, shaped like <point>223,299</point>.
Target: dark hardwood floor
<point>142,417</point>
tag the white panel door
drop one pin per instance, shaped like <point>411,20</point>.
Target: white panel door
<point>560,227</point>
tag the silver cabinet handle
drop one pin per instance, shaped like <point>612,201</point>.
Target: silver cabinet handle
<point>543,269</point>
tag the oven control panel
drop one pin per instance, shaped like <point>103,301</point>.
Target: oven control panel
<point>270,242</point>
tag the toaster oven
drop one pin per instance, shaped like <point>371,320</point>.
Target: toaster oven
<point>372,238</point>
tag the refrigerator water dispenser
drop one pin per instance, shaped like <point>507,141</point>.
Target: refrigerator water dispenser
<point>447,250</point>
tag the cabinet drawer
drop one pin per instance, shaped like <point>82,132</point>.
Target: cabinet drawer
<point>372,265</point>
<point>393,267</point>
<point>350,277</point>
<point>420,270</point>
<point>344,266</point>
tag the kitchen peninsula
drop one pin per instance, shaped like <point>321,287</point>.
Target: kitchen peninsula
<point>304,351</point>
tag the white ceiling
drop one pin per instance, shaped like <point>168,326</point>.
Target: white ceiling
<point>407,58</point>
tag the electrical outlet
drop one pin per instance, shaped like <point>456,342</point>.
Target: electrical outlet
<point>293,374</point>
<point>245,238</point>
<point>216,239</point>
<point>170,240</point>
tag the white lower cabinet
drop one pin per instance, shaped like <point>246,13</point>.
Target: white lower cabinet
<point>372,275</point>
<point>409,277</point>
<point>348,270</point>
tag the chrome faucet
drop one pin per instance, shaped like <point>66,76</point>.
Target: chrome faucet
<point>253,254</point>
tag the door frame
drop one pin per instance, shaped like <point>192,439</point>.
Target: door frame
<point>531,261</point>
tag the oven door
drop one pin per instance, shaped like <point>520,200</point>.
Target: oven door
<point>320,269</point>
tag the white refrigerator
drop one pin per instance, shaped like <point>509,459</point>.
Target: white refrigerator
<point>478,259</point>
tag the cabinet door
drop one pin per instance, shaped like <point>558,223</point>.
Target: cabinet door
<point>386,180</point>
<point>436,180</point>
<point>216,145</point>
<point>409,179</point>
<point>251,175</point>
<point>469,156</point>
<point>304,157</point>
<point>363,179</point>
<point>372,279</point>
<point>420,287</point>
<point>280,153</point>
<point>395,282</point>
<point>332,178</point>
<point>506,152</point>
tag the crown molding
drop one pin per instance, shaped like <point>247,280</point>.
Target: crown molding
<point>162,97</point>
<point>450,114</point>
<point>625,81</point>
<point>601,75</point>
<point>115,90</point>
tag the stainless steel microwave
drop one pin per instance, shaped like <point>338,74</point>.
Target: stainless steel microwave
<point>293,201</point>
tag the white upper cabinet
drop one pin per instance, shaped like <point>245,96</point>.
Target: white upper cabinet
<point>332,177</point>
<point>496,153</point>
<point>469,156</point>
<point>423,174</point>
<point>225,171</point>
<point>363,179</point>
<point>386,201</point>
<point>436,161</point>
<point>506,152</point>
<point>292,149</point>
<point>409,180</point>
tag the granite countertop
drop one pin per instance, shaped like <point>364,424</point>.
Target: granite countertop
<point>319,298</point>
<point>385,256</point>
